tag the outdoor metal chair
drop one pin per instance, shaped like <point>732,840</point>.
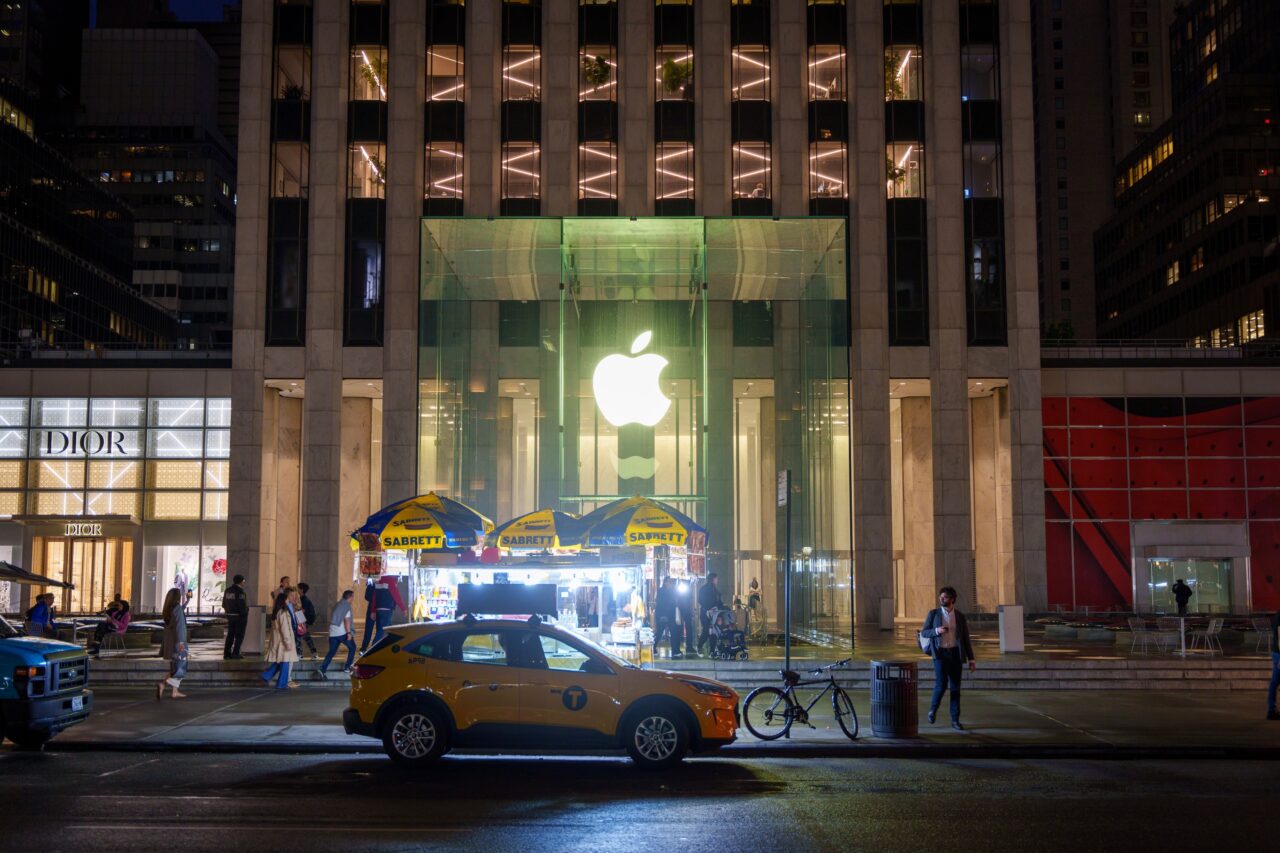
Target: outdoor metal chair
<point>112,640</point>
<point>1142,635</point>
<point>1263,627</point>
<point>1168,632</point>
<point>1209,636</point>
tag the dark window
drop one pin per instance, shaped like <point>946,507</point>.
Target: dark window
<point>518,324</point>
<point>753,324</point>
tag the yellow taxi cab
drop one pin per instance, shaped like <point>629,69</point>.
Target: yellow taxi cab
<point>426,688</point>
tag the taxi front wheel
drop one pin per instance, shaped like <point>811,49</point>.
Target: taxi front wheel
<point>415,735</point>
<point>656,739</point>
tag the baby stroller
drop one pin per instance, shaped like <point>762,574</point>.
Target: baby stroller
<point>728,641</point>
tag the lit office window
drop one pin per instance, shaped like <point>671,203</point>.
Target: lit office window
<point>675,171</point>
<point>904,166</point>
<point>444,127</point>
<point>903,72</point>
<point>597,170</point>
<point>674,116</point>
<point>521,107</point>
<point>368,73</point>
<point>752,118</point>
<point>751,169</point>
<point>368,175</point>
<point>904,170</point>
<point>597,73</point>
<point>445,67</point>
<point>443,170</point>
<point>597,108</point>
<point>828,109</point>
<point>521,170</point>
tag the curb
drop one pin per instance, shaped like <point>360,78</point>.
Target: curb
<point>905,751</point>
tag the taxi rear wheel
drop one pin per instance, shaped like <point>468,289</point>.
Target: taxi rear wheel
<point>656,739</point>
<point>415,735</point>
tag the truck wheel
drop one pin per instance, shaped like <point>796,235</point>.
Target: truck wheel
<point>28,738</point>
<point>415,735</point>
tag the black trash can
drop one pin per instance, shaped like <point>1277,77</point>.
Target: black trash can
<point>894,712</point>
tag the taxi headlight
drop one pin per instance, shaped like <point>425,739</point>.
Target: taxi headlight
<point>708,688</point>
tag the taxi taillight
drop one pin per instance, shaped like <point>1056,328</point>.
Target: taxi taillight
<point>365,670</point>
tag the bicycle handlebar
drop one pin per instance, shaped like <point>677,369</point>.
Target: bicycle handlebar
<point>835,665</point>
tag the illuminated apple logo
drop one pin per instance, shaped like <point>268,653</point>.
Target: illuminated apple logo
<point>627,390</point>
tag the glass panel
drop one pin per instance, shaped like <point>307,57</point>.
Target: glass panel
<point>978,73</point>
<point>521,170</point>
<point>213,578</point>
<point>13,474</point>
<point>116,413</point>
<point>114,503</point>
<point>173,475</point>
<point>217,443</point>
<point>673,74</point>
<point>675,170</point>
<point>368,73</point>
<point>827,170</point>
<point>522,73</point>
<point>750,68</point>
<point>57,503</point>
<point>981,170</point>
<point>219,412</point>
<point>293,73</point>
<point>217,474</point>
<point>169,443</point>
<point>13,435</point>
<point>291,169</point>
<point>115,475</point>
<point>177,413</point>
<point>751,170</point>
<point>11,503</point>
<point>902,73</point>
<point>60,412</point>
<point>368,171</point>
<point>445,67</point>
<point>904,169</point>
<point>599,170</point>
<point>173,505</point>
<point>598,73</point>
<point>826,72</point>
<point>77,443</point>
<point>57,474</point>
<point>215,506</point>
<point>1210,582</point>
<point>444,170</point>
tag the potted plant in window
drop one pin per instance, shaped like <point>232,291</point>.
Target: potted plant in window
<point>596,70</point>
<point>895,174</point>
<point>374,71</point>
<point>678,77</point>
<point>893,90</point>
<point>292,92</point>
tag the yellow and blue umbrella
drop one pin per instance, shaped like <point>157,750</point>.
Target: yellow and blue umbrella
<point>538,530</point>
<point>424,523</point>
<point>638,521</point>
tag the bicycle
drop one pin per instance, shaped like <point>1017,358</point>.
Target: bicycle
<point>769,713</point>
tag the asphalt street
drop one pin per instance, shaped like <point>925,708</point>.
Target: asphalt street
<point>139,801</point>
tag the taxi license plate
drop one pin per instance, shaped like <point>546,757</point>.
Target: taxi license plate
<point>77,703</point>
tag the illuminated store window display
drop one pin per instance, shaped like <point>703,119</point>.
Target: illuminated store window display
<point>728,340</point>
<point>109,493</point>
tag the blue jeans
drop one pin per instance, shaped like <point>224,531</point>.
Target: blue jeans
<point>1275,682</point>
<point>334,642</point>
<point>948,667</point>
<point>380,621</point>
<point>282,669</point>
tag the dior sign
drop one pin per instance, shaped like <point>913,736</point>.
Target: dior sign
<point>81,528</point>
<point>91,442</point>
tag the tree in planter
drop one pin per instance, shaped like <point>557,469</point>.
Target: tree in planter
<point>596,70</point>
<point>893,171</point>
<point>374,71</point>
<point>893,90</point>
<point>676,76</point>
<point>292,92</point>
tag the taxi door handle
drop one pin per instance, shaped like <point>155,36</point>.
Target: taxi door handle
<point>493,686</point>
<point>555,690</point>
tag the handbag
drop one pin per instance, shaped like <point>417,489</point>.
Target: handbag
<point>925,640</point>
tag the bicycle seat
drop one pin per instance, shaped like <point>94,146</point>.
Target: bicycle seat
<point>790,676</point>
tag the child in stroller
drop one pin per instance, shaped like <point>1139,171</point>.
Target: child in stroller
<point>728,642</point>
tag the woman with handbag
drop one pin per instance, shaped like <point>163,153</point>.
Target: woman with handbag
<point>174,647</point>
<point>282,644</point>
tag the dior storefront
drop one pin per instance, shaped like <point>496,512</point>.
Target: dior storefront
<point>115,494</point>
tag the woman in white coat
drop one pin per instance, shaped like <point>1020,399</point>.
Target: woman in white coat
<point>282,644</point>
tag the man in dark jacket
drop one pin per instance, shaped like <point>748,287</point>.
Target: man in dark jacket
<point>664,612</point>
<point>950,648</point>
<point>309,615</point>
<point>1275,668</point>
<point>1181,594</point>
<point>235,604</point>
<point>383,596</point>
<point>709,601</point>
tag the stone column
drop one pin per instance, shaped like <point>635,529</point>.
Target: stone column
<point>869,306</point>
<point>789,96</point>
<point>321,535</point>
<point>483,93</point>
<point>405,175</point>
<point>287,504</point>
<point>355,499</point>
<point>918,482</point>
<point>249,425</point>
<point>560,110</point>
<point>258,587</point>
<point>635,105</point>
<point>984,436</point>
<point>1026,441</point>
<point>949,335</point>
<point>712,147</point>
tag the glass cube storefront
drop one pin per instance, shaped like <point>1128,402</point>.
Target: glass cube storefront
<point>567,362</point>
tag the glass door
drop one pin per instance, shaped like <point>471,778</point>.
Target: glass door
<point>1209,579</point>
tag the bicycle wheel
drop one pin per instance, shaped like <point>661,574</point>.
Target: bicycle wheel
<point>845,715</point>
<point>768,713</point>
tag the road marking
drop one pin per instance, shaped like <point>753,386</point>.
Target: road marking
<point>1076,729</point>
<point>202,716</point>
<point>127,767</point>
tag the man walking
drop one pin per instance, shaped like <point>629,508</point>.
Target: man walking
<point>383,596</point>
<point>1181,594</point>
<point>1272,714</point>
<point>684,613</point>
<point>235,604</point>
<point>309,619</point>
<point>709,601</point>
<point>664,612</point>
<point>342,632</point>
<point>950,648</point>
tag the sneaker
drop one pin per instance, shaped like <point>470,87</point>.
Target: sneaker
<point>346,670</point>
<point>955,724</point>
<point>676,656</point>
<point>933,715</point>
<point>323,674</point>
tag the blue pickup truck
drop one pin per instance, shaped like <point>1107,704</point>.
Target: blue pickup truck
<point>43,687</point>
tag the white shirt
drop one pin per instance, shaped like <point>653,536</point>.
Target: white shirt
<point>948,640</point>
